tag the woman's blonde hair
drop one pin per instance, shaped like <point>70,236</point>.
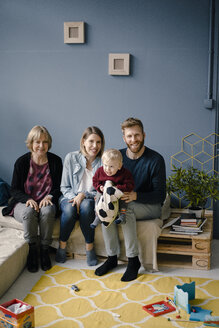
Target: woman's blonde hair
<point>112,155</point>
<point>35,134</point>
<point>87,132</point>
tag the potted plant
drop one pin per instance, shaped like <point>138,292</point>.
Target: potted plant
<point>194,185</point>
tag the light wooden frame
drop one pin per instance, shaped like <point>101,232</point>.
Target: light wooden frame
<point>119,64</point>
<point>74,32</point>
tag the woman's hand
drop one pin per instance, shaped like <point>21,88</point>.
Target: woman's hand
<point>129,196</point>
<point>46,201</point>
<point>77,201</point>
<point>32,204</point>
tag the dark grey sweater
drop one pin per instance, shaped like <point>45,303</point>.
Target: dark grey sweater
<point>149,174</point>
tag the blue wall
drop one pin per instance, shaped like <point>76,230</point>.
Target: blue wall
<point>67,87</point>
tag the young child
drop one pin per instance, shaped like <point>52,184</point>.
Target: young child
<point>113,170</point>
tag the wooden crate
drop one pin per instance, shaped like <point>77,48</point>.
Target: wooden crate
<point>186,251</point>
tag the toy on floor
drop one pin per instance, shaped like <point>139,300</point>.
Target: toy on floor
<point>173,304</point>
<point>175,320</point>
<point>211,321</point>
<point>186,292</point>
<point>199,314</point>
<point>159,308</point>
<point>183,294</point>
<point>75,288</point>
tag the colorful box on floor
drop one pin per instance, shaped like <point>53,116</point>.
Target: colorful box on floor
<point>8,319</point>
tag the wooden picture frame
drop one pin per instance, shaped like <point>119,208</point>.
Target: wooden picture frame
<point>119,64</point>
<point>74,32</point>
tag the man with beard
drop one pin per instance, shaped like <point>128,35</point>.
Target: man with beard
<point>144,202</point>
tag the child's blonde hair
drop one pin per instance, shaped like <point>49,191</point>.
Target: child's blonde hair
<point>113,155</point>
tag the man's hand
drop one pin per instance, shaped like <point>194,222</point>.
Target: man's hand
<point>46,201</point>
<point>77,200</point>
<point>129,196</point>
<point>32,204</point>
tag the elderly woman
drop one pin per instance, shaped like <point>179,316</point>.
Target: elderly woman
<point>77,202</point>
<point>35,192</point>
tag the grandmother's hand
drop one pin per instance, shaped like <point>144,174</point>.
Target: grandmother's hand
<point>77,201</point>
<point>46,201</point>
<point>32,204</point>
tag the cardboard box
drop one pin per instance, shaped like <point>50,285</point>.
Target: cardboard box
<point>9,319</point>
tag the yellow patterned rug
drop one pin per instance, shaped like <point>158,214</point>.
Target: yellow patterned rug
<point>108,302</point>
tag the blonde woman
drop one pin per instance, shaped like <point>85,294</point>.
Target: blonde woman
<point>35,192</point>
<point>77,202</point>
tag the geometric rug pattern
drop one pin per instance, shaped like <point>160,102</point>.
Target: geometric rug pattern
<point>106,301</point>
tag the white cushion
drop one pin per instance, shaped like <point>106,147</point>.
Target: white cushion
<point>13,256</point>
<point>9,221</point>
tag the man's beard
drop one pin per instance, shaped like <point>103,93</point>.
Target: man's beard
<point>136,150</point>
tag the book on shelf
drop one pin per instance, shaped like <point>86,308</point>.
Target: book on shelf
<point>196,226</point>
<point>189,223</point>
<point>178,227</point>
<point>191,233</point>
<point>188,216</point>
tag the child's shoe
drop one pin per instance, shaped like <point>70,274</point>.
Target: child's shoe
<point>121,219</point>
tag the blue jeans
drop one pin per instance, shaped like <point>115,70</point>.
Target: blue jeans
<point>69,217</point>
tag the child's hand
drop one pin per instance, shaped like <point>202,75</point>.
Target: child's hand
<point>101,188</point>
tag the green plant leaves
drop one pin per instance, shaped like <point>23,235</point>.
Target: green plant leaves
<point>195,185</point>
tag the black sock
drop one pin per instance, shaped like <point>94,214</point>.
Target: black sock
<point>45,258</point>
<point>131,272</point>
<point>108,265</point>
<point>32,258</point>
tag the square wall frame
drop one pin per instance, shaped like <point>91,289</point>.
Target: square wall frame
<point>119,64</point>
<point>74,32</point>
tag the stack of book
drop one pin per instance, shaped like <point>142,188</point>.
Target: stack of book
<point>188,225</point>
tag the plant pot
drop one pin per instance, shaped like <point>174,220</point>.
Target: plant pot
<point>199,211</point>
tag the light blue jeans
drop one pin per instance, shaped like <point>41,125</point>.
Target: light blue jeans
<point>32,220</point>
<point>135,211</point>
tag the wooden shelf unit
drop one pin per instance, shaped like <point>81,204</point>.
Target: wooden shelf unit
<point>185,251</point>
